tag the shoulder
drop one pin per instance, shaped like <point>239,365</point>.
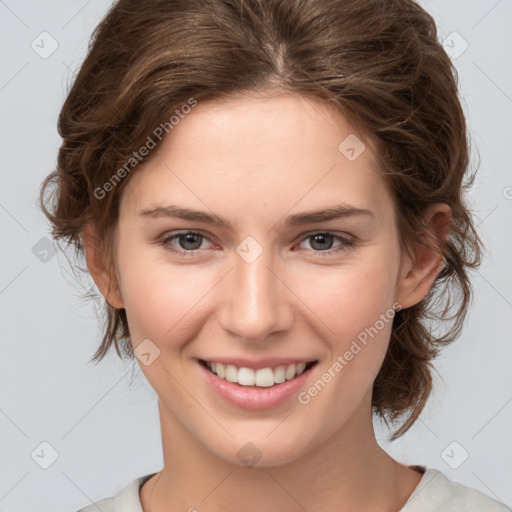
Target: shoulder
<point>126,500</point>
<point>436,492</point>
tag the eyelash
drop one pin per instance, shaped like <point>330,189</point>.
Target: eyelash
<point>344,246</point>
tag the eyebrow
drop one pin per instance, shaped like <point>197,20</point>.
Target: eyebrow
<point>297,219</point>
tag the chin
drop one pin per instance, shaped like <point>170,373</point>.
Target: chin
<point>261,449</point>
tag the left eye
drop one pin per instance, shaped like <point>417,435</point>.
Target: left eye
<point>324,240</point>
<point>190,242</point>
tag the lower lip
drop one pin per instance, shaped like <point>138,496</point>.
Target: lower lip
<point>252,397</point>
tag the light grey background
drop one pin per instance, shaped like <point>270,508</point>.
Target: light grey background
<point>103,423</point>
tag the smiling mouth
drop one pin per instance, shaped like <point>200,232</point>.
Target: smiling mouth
<point>263,377</point>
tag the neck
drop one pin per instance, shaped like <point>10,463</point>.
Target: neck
<point>335,475</point>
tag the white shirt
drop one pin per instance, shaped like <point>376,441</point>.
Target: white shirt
<point>434,493</point>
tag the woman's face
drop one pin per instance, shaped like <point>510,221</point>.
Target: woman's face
<point>270,286</point>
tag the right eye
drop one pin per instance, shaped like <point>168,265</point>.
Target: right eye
<point>189,241</point>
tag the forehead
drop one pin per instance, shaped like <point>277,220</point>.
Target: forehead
<point>251,151</point>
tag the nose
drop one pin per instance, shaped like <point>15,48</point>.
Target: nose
<point>256,301</point>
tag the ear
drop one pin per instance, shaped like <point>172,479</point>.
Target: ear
<point>98,264</point>
<point>419,271</point>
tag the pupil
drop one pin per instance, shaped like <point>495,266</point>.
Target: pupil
<point>188,239</point>
<point>321,237</point>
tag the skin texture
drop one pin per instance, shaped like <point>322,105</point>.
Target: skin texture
<point>255,160</point>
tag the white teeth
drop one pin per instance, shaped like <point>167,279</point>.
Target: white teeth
<point>290,372</point>
<point>279,375</point>
<point>231,373</point>
<point>264,377</point>
<point>246,376</point>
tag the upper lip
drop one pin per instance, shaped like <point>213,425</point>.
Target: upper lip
<point>260,363</point>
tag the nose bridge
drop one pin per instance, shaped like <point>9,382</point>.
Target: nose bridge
<point>254,296</point>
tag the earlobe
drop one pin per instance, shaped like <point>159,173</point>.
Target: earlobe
<point>98,265</point>
<point>421,269</point>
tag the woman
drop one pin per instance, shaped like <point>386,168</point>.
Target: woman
<point>210,148</point>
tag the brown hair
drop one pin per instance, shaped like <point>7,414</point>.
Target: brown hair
<point>379,62</point>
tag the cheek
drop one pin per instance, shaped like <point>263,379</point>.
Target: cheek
<point>160,297</point>
<point>351,298</point>
<point>161,303</point>
<point>357,305</point>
